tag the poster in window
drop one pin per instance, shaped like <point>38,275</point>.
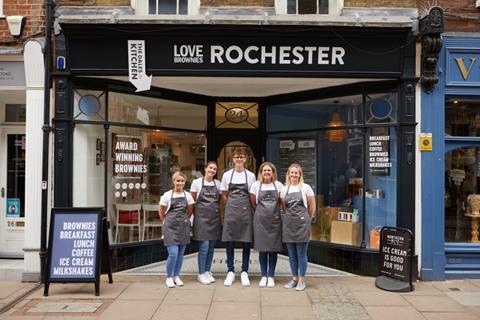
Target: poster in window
<point>379,162</point>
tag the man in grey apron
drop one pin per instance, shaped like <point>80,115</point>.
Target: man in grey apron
<point>176,230</point>
<point>237,226</point>
<point>267,231</point>
<point>207,228</point>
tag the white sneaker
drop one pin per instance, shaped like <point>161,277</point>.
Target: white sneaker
<point>229,279</point>
<point>178,281</point>
<point>170,283</point>
<point>244,278</point>
<point>210,276</point>
<point>263,282</point>
<point>271,282</point>
<point>203,278</point>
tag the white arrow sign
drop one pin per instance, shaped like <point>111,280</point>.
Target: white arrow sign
<point>136,65</point>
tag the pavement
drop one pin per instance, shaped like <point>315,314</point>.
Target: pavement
<point>141,297</point>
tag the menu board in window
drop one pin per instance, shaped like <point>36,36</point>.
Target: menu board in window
<point>303,152</point>
<point>379,162</point>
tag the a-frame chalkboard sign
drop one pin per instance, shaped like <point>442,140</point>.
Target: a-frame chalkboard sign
<point>78,248</point>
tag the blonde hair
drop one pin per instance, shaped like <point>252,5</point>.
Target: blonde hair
<point>300,180</point>
<point>178,174</point>
<point>274,171</point>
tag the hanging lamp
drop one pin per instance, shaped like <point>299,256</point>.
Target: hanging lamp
<point>337,135</point>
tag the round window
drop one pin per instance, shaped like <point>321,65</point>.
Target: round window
<point>89,105</point>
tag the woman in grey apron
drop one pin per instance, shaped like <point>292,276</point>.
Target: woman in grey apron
<point>207,224</point>
<point>298,201</point>
<point>237,223</point>
<point>176,207</point>
<point>267,226</point>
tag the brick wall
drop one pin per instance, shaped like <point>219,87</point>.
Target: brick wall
<point>460,15</point>
<point>100,3</point>
<point>381,3</point>
<point>34,12</point>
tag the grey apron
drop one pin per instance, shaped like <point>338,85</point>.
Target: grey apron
<point>296,220</point>
<point>207,224</point>
<point>237,223</point>
<point>176,227</point>
<point>267,226</point>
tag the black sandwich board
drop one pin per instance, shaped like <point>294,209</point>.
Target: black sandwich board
<point>396,260</point>
<point>78,248</point>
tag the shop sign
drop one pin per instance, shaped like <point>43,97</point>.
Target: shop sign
<point>12,74</point>
<point>463,67</point>
<point>378,154</point>
<point>136,65</point>
<point>247,52</point>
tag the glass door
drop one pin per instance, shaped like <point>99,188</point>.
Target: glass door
<point>12,191</point>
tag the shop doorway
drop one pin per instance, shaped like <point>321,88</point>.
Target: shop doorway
<point>12,191</point>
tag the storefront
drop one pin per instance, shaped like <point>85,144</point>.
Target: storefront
<point>451,171</point>
<point>338,100</point>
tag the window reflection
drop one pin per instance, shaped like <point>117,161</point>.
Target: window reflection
<point>462,117</point>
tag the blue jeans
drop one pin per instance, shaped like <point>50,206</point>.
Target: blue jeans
<point>268,260</point>
<point>205,255</point>
<point>245,256</point>
<point>297,255</point>
<point>175,259</point>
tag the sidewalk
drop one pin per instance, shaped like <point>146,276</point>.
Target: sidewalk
<point>146,297</point>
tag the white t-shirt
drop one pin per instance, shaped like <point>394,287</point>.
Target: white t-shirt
<point>197,185</point>
<point>238,177</point>
<point>165,199</point>
<point>255,188</point>
<point>306,192</point>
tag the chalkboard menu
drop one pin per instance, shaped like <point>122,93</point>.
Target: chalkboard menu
<point>301,151</point>
<point>396,257</point>
<point>75,246</point>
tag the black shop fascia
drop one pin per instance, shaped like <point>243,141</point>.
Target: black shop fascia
<point>345,61</point>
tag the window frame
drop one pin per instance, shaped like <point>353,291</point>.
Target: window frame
<point>141,7</point>
<point>334,7</point>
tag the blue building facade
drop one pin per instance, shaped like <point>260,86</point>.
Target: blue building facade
<point>451,171</point>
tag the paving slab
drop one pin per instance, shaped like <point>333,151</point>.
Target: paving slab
<point>394,313</point>
<point>144,291</point>
<point>81,291</point>
<point>181,312</point>
<point>434,304</point>
<point>236,294</point>
<point>449,315</point>
<point>288,313</point>
<point>470,299</point>
<point>65,307</point>
<point>456,285</point>
<point>380,298</point>
<point>128,310</point>
<point>286,297</point>
<point>188,296</point>
<point>234,311</point>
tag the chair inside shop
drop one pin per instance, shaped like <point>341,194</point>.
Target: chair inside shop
<point>151,221</point>
<point>128,215</point>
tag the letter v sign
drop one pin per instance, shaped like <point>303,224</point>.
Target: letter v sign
<point>462,68</point>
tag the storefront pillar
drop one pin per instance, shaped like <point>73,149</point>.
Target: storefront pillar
<point>34,76</point>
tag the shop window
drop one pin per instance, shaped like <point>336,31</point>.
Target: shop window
<point>88,165</point>
<point>239,115</point>
<point>315,114</point>
<point>462,117</point>
<point>15,113</point>
<point>141,163</point>
<point>381,185</point>
<point>136,109</point>
<point>462,195</point>
<point>168,6</point>
<point>307,6</point>
<point>89,105</point>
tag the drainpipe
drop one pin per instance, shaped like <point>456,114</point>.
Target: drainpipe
<point>46,141</point>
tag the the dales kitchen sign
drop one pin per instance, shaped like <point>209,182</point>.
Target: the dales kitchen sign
<point>236,55</point>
